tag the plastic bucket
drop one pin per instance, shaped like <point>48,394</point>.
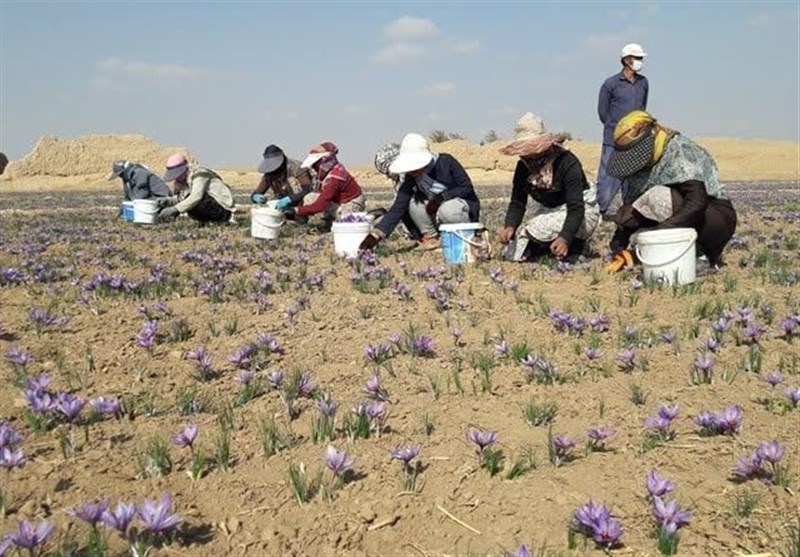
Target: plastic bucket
<point>127,211</point>
<point>265,223</point>
<point>347,236</point>
<point>668,255</point>
<point>458,242</point>
<point>145,211</point>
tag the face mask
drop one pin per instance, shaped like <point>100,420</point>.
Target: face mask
<point>637,65</point>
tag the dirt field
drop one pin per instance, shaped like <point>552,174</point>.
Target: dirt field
<point>222,289</point>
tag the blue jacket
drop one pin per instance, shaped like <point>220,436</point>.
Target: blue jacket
<point>447,171</point>
<point>618,97</point>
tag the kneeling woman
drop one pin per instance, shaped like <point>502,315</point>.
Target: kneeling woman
<point>199,192</point>
<point>567,213</point>
<point>435,190</point>
<point>672,183</point>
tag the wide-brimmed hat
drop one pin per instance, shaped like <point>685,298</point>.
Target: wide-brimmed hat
<point>177,165</point>
<point>415,153</point>
<point>318,152</point>
<point>274,157</point>
<point>532,138</point>
<point>385,156</point>
<point>117,168</point>
<point>634,144</point>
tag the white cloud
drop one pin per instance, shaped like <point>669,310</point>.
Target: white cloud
<point>399,52</point>
<point>119,74</point>
<point>406,27</point>
<point>440,88</point>
<point>466,47</point>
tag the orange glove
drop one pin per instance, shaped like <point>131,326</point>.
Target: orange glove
<point>622,260</point>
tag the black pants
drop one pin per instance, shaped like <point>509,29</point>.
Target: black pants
<point>208,210</point>
<point>537,249</point>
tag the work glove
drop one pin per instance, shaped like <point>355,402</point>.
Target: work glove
<point>369,242</point>
<point>162,202</point>
<point>283,203</point>
<point>622,260</point>
<point>168,214</point>
<point>433,205</point>
<point>290,213</point>
<point>258,198</point>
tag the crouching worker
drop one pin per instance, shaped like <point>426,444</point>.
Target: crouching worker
<point>283,178</point>
<point>672,183</point>
<point>138,181</point>
<point>566,213</point>
<point>199,193</point>
<point>339,193</point>
<point>435,190</point>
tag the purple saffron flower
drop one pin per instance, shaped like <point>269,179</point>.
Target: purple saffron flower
<point>11,459</point>
<point>395,338</point>
<point>157,517</point>
<point>186,437</point>
<point>563,446</point>
<point>147,335</point>
<point>774,378</point>
<point>91,513</point>
<point>482,439</point>
<point>245,377</point>
<point>599,324</point>
<point>626,359</point>
<point>668,337</point>
<point>406,455</point>
<point>327,407</point>
<point>659,424</point>
<point>729,421</point>
<point>657,485</point>
<point>275,379</point>
<point>5,543</point>
<point>599,435</point>
<point>789,327</point>
<point>305,386</point>
<point>268,341</point>
<point>203,360</point>
<point>106,407</point>
<point>607,532</point>
<point>38,383</point>
<point>337,461</point>
<point>669,412</point>
<point>753,332</point>
<point>40,402</point>
<point>374,389</point>
<point>19,357</point>
<point>375,410</point>
<point>9,436</point>
<point>669,513</point>
<point>704,364</point>
<point>793,395</point>
<point>457,334</point>
<point>587,516</point>
<point>707,421</point>
<point>747,468</point>
<point>120,518</point>
<point>771,452</point>
<point>70,406</point>
<point>29,536</point>
<point>502,349</point>
<point>423,346</point>
<point>522,551</point>
<point>241,357</point>
<point>712,344</point>
<point>592,354</point>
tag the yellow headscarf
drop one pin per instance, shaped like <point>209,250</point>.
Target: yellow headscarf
<point>631,127</point>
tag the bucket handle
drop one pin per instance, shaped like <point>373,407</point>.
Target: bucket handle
<point>485,244</point>
<point>670,262</point>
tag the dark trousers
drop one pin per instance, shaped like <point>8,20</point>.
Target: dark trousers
<point>208,210</point>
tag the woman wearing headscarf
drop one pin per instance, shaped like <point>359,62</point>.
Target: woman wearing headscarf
<point>566,214</point>
<point>436,190</point>
<point>339,192</point>
<point>138,181</point>
<point>672,183</point>
<point>199,192</point>
<point>283,178</point>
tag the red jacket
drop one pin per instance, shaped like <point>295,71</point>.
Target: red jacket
<point>338,186</point>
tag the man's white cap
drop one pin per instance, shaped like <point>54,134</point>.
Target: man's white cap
<point>633,49</point>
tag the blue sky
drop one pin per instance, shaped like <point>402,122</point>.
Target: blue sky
<point>225,79</point>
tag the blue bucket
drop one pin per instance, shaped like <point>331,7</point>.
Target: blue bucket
<point>127,211</point>
<point>458,243</point>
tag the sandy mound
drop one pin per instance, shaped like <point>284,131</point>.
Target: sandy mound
<point>89,155</point>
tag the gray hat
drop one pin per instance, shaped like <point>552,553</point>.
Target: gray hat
<point>273,159</point>
<point>117,169</point>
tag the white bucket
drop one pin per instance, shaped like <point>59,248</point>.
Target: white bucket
<point>668,255</point>
<point>127,211</point>
<point>458,242</point>
<point>145,211</point>
<point>265,222</point>
<point>347,236</point>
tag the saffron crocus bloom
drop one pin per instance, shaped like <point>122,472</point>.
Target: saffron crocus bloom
<point>668,337</point>
<point>522,551</point>
<point>157,517</point>
<point>106,407</point>
<point>275,379</point>
<point>375,410</point>
<point>482,439</point>
<point>592,354</point>
<point>147,335</point>
<point>39,382</point>
<point>789,327</point>
<point>771,452</point>
<point>748,468</point>
<point>91,513</point>
<point>502,349</point>
<point>11,458</point>
<point>406,455</point>
<point>241,357</point>
<point>305,386</point>
<point>753,332</point>
<point>588,516</point>
<point>563,446</point>
<point>669,513</point>
<point>704,363</point>
<point>712,344</point>
<point>729,420</point>
<point>657,485</point>
<point>626,358</point>
<point>608,532</point>
<point>9,437</point>
<point>69,405</point>
<point>186,437</point>
<point>669,412</point>
<point>120,518</point>
<point>374,388</point>
<point>39,402</point>
<point>327,407</point>
<point>774,378</point>
<point>18,357</point>
<point>658,423</point>
<point>793,395</point>
<point>337,461</point>
<point>245,377</point>
<point>29,536</point>
<point>423,346</point>
<point>707,421</point>
<point>599,435</point>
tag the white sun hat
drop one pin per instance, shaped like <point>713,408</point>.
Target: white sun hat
<point>415,153</point>
<point>312,159</point>
<point>633,49</point>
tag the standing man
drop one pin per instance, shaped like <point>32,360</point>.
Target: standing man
<point>620,94</point>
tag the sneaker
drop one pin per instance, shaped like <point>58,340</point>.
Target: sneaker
<point>429,243</point>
